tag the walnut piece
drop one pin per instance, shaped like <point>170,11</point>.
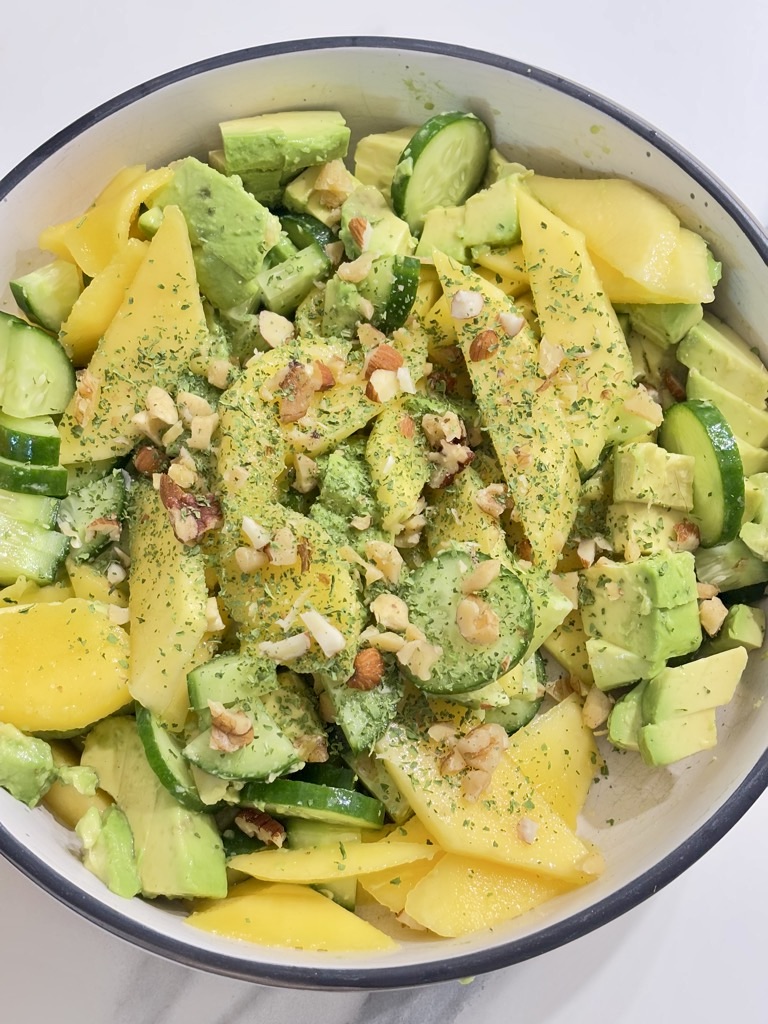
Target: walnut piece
<point>483,747</point>
<point>191,515</point>
<point>86,397</point>
<point>298,386</point>
<point>492,499</point>
<point>260,825</point>
<point>369,670</point>
<point>230,729</point>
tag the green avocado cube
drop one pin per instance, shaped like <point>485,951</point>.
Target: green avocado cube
<point>720,354</point>
<point>665,742</point>
<point>626,719</point>
<point>613,665</point>
<point>377,156</point>
<point>650,528</point>
<point>699,685</point>
<point>744,626</point>
<point>444,230</point>
<point>490,216</point>
<point>664,323</point>
<point>647,473</point>
<point>285,141</point>
<point>27,770</point>
<point>745,420</point>
<point>108,850</point>
<point>386,234</point>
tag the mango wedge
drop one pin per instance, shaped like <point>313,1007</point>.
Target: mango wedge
<point>293,916</point>
<point>329,863</point>
<point>391,887</point>
<point>82,676</point>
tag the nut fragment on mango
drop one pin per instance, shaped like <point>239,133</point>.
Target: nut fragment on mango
<point>63,665</point>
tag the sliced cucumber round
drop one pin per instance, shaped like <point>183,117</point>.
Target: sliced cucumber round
<point>34,439</point>
<point>47,295</point>
<point>37,377</point>
<point>293,799</point>
<point>433,594</point>
<point>164,754</point>
<point>28,479</point>
<point>442,165</point>
<point>698,428</point>
<point>303,229</point>
<point>391,286</point>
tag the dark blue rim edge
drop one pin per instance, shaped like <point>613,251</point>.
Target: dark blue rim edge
<point>517,950</point>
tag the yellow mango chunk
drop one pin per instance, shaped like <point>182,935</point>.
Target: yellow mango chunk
<point>457,519</point>
<point>25,591</point>
<point>329,863</point>
<point>592,370</point>
<point>167,607</point>
<point>525,420</point>
<point>491,827</point>
<point>391,887</point>
<point>87,582</point>
<point>64,802</point>
<point>634,233</point>
<point>507,269</point>
<point>99,301</point>
<point>93,239</point>
<point>685,280</point>
<point>460,895</point>
<point>292,916</point>
<point>567,643</point>
<point>158,329</point>
<point>63,665</point>
<point>558,754</point>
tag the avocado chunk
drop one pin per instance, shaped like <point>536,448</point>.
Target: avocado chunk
<point>645,472</point>
<point>344,307</point>
<point>444,230</point>
<point>672,740</point>
<point>178,851</point>
<point>320,191</point>
<point>696,686</point>
<point>27,769</point>
<point>108,850</point>
<point>499,167</point>
<point>385,234</point>
<point>377,156</point>
<point>745,420</point>
<point>346,487</point>
<point>471,655</point>
<point>720,354</point>
<point>284,142</point>
<point>754,531</point>
<point>286,284</point>
<point>632,525</point>
<point>744,626</point>
<point>664,323</point>
<point>730,566</point>
<point>490,216</point>
<point>230,231</point>
<point>363,715</point>
<point>626,719</point>
<point>613,665</point>
<point>653,601</point>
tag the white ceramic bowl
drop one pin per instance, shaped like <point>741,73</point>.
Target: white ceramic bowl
<point>662,820</point>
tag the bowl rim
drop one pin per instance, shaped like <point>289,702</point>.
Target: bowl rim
<point>514,951</point>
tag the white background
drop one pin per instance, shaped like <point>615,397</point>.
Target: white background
<point>696,951</point>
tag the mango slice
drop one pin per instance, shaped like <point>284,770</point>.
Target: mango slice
<point>293,916</point>
<point>391,887</point>
<point>329,863</point>
<point>63,665</point>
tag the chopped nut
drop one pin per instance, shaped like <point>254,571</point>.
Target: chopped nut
<point>322,376</point>
<point>687,535</point>
<point>484,346</point>
<point>172,434</point>
<point>632,550</point>
<point>298,386</point>
<point>333,185</point>
<point>202,430</point>
<point>527,829</point>
<point>213,620</point>
<point>182,475</point>
<point>407,427</point>
<point>283,547</point>
<point>230,729</point>
<point>448,463</point>
<point>383,386</point>
<point>442,732</point>
<point>218,373</point>
<point>383,357</point>
<point>405,381</point>
<point>148,426</point>
<point>560,688</point>
<point>249,560</point>
<point>452,763</point>
<point>481,576</point>
<point>360,522</point>
<point>492,499</point>
<point>329,639</point>
<point>712,614</point>
<point>191,515</point>
<point>483,747</point>
<point>474,783</point>
<point>466,304</point>
<point>642,404</point>
<point>386,558</point>
<point>161,406</point>
<point>550,357</point>
<point>260,825</point>
<point>290,649</point>
<point>191,405</point>
<point>420,657</point>
<point>511,323</point>
<point>86,397</point>
<point>335,252</point>
<point>447,427</point>
<point>706,590</point>
<point>673,385</point>
<point>306,473</point>
<point>256,535</point>
<point>369,337</point>
<point>391,643</point>
<point>369,670</point>
<point>358,269</point>
<point>587,551</point>
<point>108,526</point>
<point>390,611</point>
<point>305,554</point>
<point>613,591</point>
<point>120,616</point>
<point>361,232</point>
<point>115,574</point>
<point>596,709</point>
<point>275,329</point>
<point>148,461</point>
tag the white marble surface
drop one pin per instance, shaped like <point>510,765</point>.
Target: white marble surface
<point>695,952</point>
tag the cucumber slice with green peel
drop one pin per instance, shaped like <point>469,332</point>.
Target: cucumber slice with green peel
<point>47,295</point>
<point>164,754</point>
<point>268,754</point>
<point>28,479</point>
<point>37,377</point>
<point>31,551</point>
<point>35,439</point>
<point>391,286</point>
<point>472,659</point>
<point>285,285</point>
<point>442,165</point>
<point>515,715</point>
<point>230,679</point>
<point>99,499</point>
<point>303,229</point>
<point>288,798</point>
<point>280,251</point>
<point>34,509</point>
<point>698,428</point>
<point>303,834</point>
<point>337,776</point>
